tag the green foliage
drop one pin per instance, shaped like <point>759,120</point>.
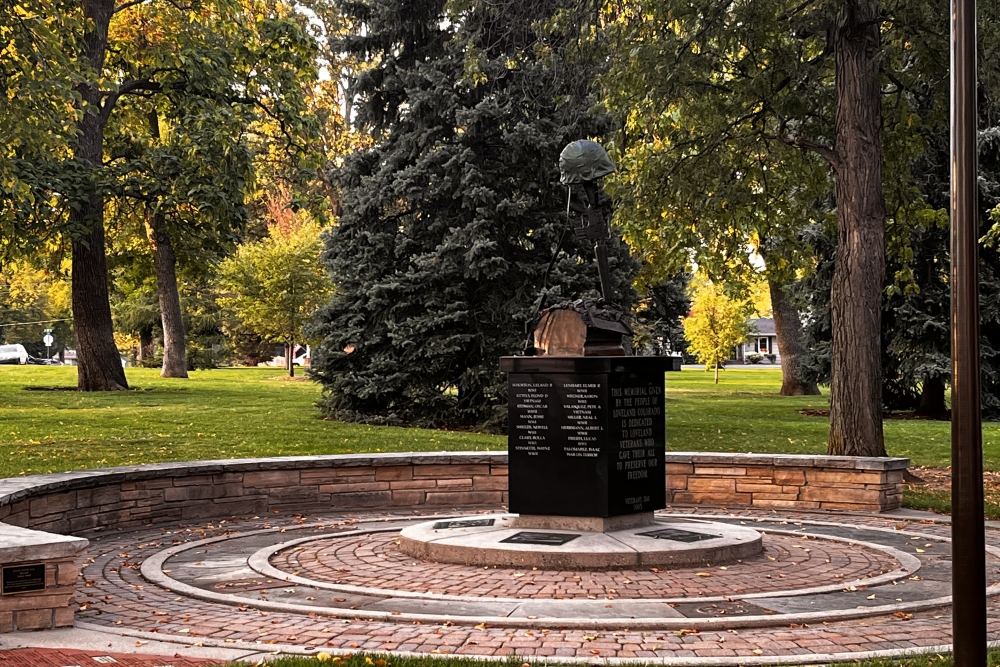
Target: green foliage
<point>716,102</point>
<point>658,317</point>
<point>35,295</point>
<point>916,315</point>
<point>717,324</point>
<point>209,75</point>
<point>451,218</point>
<point>705,94</point>
<point>275,285</point>
<point>38,75</point>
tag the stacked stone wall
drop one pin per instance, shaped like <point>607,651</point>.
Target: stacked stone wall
<point>801,482</point>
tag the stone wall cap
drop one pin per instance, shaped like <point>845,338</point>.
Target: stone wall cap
<point>790,460</point>
<point>24,545</point>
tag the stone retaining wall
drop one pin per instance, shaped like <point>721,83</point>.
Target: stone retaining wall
<point>803,482</point>
<point>196,490</point>
<point>75,502</point>
<point>121,497</point>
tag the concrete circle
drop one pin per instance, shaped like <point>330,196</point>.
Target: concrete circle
<point>494,542</point>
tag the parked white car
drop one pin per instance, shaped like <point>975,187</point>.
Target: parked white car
<point>13,354</point>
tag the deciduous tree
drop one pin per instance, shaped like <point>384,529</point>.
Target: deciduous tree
<point>212,67</point>
<point>823,77</point>
<point>716,325</point>
<point>275,285</point>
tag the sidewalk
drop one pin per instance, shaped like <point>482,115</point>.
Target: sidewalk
<point>44,649</point>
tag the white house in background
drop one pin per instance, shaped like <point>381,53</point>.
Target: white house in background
<point>763,342</point>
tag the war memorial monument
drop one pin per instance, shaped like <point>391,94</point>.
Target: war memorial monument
<point>587,438</point>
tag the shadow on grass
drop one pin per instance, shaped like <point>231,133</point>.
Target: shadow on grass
<point>131,389</point>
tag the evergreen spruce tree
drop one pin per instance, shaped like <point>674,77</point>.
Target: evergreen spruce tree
<point>450,221</point>
<point>660,313</point>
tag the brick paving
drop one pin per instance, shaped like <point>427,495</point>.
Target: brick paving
<point>116,597</point>
<point>67,657</point>
<point>788,563</point>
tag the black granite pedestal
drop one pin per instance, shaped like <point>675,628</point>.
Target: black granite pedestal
<point>587,435</point>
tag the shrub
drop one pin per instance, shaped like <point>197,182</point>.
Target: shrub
<point>754,358</point>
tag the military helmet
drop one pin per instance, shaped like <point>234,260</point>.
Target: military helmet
<point>584,160</point>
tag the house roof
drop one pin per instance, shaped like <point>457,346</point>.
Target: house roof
<point>764,325</point>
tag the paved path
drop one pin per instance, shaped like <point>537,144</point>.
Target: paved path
<point>353,592</point>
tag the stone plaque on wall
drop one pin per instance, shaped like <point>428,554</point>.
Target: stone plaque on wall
<point>586,435</point>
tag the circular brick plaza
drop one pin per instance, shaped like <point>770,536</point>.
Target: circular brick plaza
<point>828,587</point>
<point>300,555</point>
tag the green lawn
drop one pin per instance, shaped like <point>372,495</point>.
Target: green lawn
<point>256,412</point>
<point>226,413</point>
<point>744,413</point>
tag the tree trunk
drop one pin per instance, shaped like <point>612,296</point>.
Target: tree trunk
<point>856,293</point>
<point>788,328</point>
<point>145,343</point>
<point>932,398</point>
<point>165,266</point>
<point>716,372</point>
<point>290,357</point>
<point>99,366</point>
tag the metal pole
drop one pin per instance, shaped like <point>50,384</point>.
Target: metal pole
<point>967,529</point>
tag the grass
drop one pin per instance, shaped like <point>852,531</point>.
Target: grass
<point>744,413</point>
<point>229,413</point>
<point>226,413</point>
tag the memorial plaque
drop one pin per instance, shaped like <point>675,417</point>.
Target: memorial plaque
<point>23,578</point>
<point>678,535</point>
<point>468,523</point>
<point>550,539</point>
<point>587,435</point>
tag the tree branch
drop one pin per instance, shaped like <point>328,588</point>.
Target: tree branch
<point>132,3</point>
<point>827,153</point>
<point>127,88</point>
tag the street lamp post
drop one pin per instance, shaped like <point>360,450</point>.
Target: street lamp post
<point>967,529</point>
